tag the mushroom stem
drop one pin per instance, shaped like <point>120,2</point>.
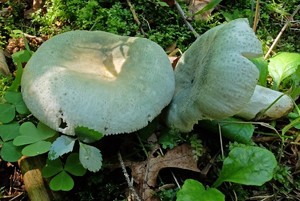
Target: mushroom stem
<point>266,103</point>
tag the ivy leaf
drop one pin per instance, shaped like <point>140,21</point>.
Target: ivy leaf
<point>16,99</point>
<point>63,181</point>
<point>193,190</point>
<point>36,148</point>
<point>10,152</point>
<point>74,166</point>
<point>247,165</point>
<point>61,146</point>
<point>87,135</point>
<point>9,131</point>
<point>7,112</point>
<point>282,66</point>
<point>31,134</point>
<point>90,157</point>
<point>52,168</point>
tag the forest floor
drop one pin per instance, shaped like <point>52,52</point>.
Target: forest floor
<point>162,23</point>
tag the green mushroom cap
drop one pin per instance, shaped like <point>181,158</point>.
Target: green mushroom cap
<point>112,84</point>
<point>214,78</point>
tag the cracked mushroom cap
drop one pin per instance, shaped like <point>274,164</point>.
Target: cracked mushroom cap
<point>112,84</point>
<point>214,78</point>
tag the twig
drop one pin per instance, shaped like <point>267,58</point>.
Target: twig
<point>129,183</point>
<point>39,39</point>
<point>256,17</point>
<point>281,31</point>
<point>185,21</point>
<point>136,19</point>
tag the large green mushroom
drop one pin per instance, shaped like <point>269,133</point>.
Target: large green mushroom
<point>215,78</point>
<point>112,84</point>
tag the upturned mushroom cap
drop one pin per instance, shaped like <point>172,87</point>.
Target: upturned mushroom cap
<point>109,83</point>
<point>214,78</point>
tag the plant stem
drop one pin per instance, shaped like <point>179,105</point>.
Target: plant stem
<point>281,31</point>
<point>185,21</point>
<point>256,17</point>
<point>129,183</point>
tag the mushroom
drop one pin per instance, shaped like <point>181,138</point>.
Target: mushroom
<point>215,78</point>
<point>112,84</point>
<point>266,103</point>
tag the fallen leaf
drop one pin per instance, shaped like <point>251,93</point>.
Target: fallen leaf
<point>145,173</point>
<point>3,65</point>
<point>195,6</point>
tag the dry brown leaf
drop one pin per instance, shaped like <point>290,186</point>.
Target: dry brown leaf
<point>3,65</point>
<point>145,173</point>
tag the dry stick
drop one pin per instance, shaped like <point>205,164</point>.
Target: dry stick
<point>256,17</point>
<point>281,32</point>
<point>129,183</point>
<point>185,21</point>
<point>136,19</point>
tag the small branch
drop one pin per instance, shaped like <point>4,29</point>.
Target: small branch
<point>256,17</point>
<point>136,19</point>
<point>129,183</point>
<point>281,32</point>
<point>185,21</point>
<point>39,39</point>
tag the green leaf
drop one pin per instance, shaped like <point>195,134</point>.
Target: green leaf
<point>16,99</point>
<point>74,166</point>
<point>87,135</point>
<point>90,157</point>
<point>61,146</point>
<point>31,134</point>
<point>247,165</point>
<point>282,66</point>
<point>212,4</point>
<point>63,181</point>
<point>262,66</point>
<point>232,128</point>
<point>193,190</point>
<point>10,152</point>
<point>9,131</point>
<point>7,112</point>
<point>52,168</point>
<point>237,130</point>
<point>36,148</point>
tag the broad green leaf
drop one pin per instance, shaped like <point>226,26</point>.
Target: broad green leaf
<point>247,165</point>
<point>7,112</point>
<point>31,134</point>
<point>237,130</point>
<point>232,128</point>
<point>282,66</point>
<point>87,135</point>
<point>90,157</point>
<point>36,148</point>
<point>74,166</point>
<point>63,181</point>
<point>16,99</point>
<point>212,4</point>
<point>10,152</point>
<point>61,146</point>
<point>193,190</point>
<point>9,131</point>
<point>262,66</point>
<point>52,168</point>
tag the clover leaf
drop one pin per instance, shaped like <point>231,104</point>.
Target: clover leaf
<point>7,112</point>
<point>62,179</point>
<point>34,138</point>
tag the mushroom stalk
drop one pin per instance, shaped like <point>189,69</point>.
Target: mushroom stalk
<point>266,103</point>
<point>3,65</point>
